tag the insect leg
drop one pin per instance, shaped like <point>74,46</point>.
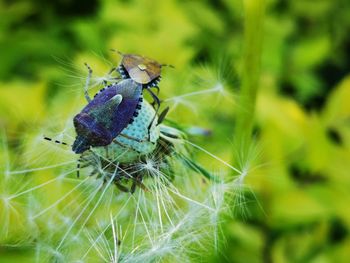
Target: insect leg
<point>155,87</point>
<point>154,101</point>
<point>149,126</point>
<point>78,167</point>
<point>93,172</point>
<point>162,115</point>
<point>121,187</point>
<point>155,98</point>
<point>133,186</point>
<point>111,71</point>
<point>142,186</point>
<point>157,101</point>
<point>127,147</point>
<point>109,77</point>
<point>131,138</point>
<point>87,83</point>
<point>120,144</point>
<point>137,181</point>
<point>107,152</point>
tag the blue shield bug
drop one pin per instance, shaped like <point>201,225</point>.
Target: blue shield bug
<point>106,115</point>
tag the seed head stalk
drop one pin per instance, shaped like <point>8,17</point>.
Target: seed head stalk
<point>253,38</point>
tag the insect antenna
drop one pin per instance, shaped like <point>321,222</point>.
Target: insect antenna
<point>55,141</point>
<point>78,167</point>
<point>64,143</point>
<point>167,65</point>
<point>114,50</point>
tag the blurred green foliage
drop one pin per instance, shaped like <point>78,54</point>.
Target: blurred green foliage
<point>299,209</point>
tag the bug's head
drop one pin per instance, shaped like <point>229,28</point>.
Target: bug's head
<point>140,69</point>
<point>89,133</point>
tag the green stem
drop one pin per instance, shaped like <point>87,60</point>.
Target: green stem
<point>253,37</point>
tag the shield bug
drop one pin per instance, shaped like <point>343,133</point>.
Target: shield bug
<point>106,115</point>
<point>116,121</point>
<point>142,70</point>
<point>131,144</point>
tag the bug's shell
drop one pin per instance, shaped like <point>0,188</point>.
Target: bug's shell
<point>133,150</point>
<point>106,115</point>
<point>141,69</point>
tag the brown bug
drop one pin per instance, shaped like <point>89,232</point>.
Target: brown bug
<point>142,70</point>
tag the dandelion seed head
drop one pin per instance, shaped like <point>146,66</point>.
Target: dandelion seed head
<point>171,216</point>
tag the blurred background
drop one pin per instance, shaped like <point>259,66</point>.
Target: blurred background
<point>298,206</point>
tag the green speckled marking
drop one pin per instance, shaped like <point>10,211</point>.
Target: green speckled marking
<point>138,129</point>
